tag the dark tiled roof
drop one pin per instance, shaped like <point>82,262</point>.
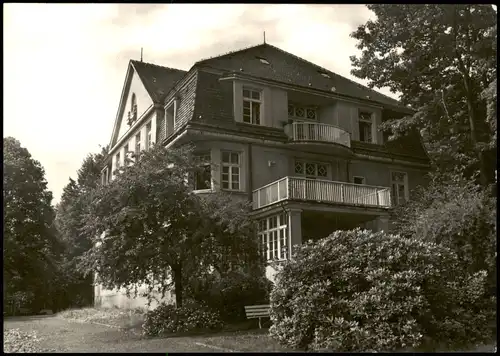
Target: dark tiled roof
<point>408,145</point>
<point>157,80</point>
<point>288,68</point>
<point>405,147</point>
<point>214,99</point>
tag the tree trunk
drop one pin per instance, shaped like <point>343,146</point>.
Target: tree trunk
<point>483,170</point>
<point>178,286</point>
<point>465,73</point>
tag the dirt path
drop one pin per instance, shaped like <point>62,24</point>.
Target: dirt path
<point>60,335</point>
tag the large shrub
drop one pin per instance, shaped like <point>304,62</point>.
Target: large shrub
<point>167,319</point>
<point>228,293</point>
<point>363,291</point>
<point>458,214</point>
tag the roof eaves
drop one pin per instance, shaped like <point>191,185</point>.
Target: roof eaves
<point>120,105</point>
<point>151,93</point>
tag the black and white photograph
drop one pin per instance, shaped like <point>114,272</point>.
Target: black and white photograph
<point>249,178</point>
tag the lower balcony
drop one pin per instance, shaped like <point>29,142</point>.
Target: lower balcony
<point>324,191</point>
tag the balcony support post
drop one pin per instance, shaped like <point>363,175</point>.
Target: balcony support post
<point>382,223</point>
<point>294,228</point>
<point>287,188</point>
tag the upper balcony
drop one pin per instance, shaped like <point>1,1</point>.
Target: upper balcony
<point>318,134</point>
<point>324,191</point>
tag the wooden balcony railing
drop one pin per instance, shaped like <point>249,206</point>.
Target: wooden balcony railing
<point>321,191</point>
<point>313,131</point>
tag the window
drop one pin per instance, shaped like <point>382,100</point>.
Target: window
<point>324,74</point>
<point>202,178</point>
<point>262,60</point>
<point>104,176</point>
<point>311,169</point>
<point>359,180</point>
<point>160,127</point>
<point>138,144</point>
<point>230,170</point>
<point>273,235</point>
<point>296,111</point>
<point>126,151</point>
<point>132,114</point>
<point>133,104</point>
<point>399,181</point>
<point>149,137</point>
<point>365,127</point>
<point>171,116</point>
<point>117,161</point>
<point>251,106</point>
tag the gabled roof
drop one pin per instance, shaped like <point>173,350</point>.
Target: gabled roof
<point>157,80</point>
<point>288,68</point>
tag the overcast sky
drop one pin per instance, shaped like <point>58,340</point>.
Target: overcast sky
<point>65,64</point>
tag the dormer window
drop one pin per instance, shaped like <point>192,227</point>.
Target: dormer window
<point>365,123</point>
<point>263,60</point>
<point>301,112</point>
<point>324,74</point>
<point>252,102</point>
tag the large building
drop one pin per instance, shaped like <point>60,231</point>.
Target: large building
<point>299,141</point>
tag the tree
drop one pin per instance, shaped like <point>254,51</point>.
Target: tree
<point>30,248</point>
<point>149,228</point>
<point>442,59</point>
<point>457,214</point>
<point>74,286</point>
<point>70,210</point>
<point>89,174</point>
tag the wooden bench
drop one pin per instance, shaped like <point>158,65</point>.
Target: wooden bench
<point>257,311</point>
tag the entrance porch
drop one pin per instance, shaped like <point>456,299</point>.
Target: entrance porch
<point>287,225</point>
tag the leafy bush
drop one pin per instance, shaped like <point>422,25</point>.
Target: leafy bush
<point>15,302</point>
<point>230,292</point>
<point>458,214</point>
<point>167,319</point>
<point>18,341</point>
<point>363,291</point>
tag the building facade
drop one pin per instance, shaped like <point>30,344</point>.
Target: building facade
<point>300,142</point>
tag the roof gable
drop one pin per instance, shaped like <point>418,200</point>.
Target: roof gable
<point>157,80</point>
<point>121,105</point>
<point>288,68</point>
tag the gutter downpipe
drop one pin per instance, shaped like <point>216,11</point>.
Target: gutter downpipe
<point>250,175</point>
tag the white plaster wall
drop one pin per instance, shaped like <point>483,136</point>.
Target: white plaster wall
<point>143,99</point>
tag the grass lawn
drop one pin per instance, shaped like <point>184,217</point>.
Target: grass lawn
<point>246,339</point>
<point>250,340</point>
<point>120,318</point>
<point>126,335</point>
